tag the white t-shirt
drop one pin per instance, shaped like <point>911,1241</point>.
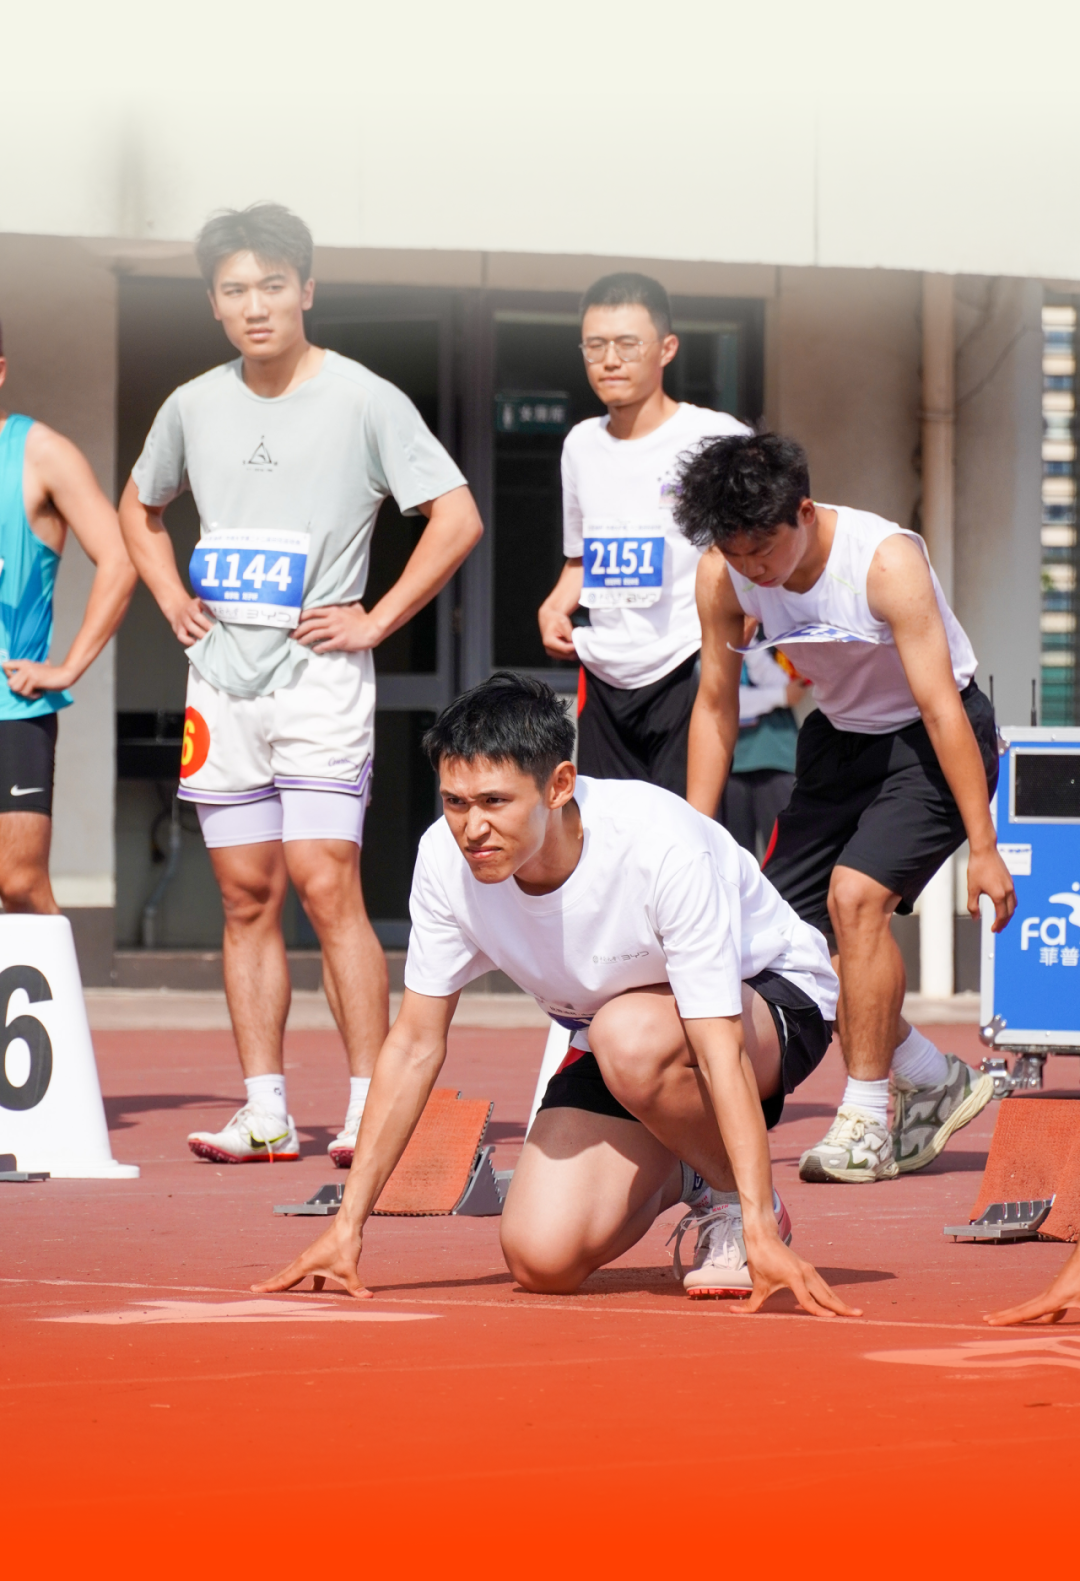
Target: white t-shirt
<point>617,490</point>
<point>660,894</point>
<point>318,461</point>
<point>859,686</point>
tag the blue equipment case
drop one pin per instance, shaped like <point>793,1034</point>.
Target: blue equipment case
<point>1030,972</point>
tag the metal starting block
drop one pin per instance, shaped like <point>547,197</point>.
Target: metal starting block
<point>1005,1221</point>
<point>483,1197</point>
<point>1025,1076</point>
<point>10,1171</point>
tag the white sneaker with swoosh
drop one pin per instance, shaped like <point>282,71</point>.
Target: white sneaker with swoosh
<point>251,1137</point>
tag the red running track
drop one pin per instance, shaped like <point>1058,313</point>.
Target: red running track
<point>456,1426</point>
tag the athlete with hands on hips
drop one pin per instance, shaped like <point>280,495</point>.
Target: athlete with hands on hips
<point>695,997</point>
<point>290,451</point>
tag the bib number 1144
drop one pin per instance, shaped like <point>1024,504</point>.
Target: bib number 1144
<point>251,578</point>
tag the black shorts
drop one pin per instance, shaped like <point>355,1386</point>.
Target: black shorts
<point>804,1036</point>
<point>639,732</point>
<point>27,757</point>
<point>878,804</point>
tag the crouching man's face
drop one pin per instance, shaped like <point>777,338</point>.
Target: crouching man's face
<point>500,818</point>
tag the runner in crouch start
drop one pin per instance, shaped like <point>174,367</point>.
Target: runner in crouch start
<point>695,996</point>
<point>895,768</point>
<point>290,451</point>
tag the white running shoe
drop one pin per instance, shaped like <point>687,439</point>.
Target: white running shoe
<point>720,1267</point>
<point>251,1137</point>
<point>343,1146</point>
<point>855,1148</point>
<point>926,1117</point>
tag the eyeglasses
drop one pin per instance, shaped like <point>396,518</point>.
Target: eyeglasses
<point>628,348</point>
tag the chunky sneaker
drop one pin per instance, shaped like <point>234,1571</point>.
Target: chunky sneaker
<point>925,1117</point>
<point>343,1146</point>
<point>856,1148</point>
<point>251,1137</point>
<point>720,1266</point>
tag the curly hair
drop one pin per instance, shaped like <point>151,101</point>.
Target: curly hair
<point>744,484</point>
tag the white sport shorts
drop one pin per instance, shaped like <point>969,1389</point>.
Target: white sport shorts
<point>293,765</point>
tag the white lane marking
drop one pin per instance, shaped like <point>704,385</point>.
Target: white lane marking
<point>1059,1350</point>
<point>240,1312</point>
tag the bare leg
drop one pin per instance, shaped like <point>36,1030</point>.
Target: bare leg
<point>647,1063</point>
<point>871,972</point>
<point>253,882</point>
<point>588,1186</point>
<point>327,878</point>
<point>25,838</point>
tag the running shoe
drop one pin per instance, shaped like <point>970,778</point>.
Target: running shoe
<point>855,1148</point>
<point>925,1117</point>
<point>720,1267</point>
<point>343,1146</point>
<point>251,1137</point>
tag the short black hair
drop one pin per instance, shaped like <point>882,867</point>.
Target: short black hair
<point>269,230</point>
<point>744,483</point>
<point>509,719</point>
<point>631,290</point>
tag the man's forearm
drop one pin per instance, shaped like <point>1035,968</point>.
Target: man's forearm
<point>565,596</point>
<point>961,762</point>
<point>150,547</point>
<point>453,530</point>
<point>711,748</point>
<point>729,1077</point>
<point>402,1083</point>
<point>110,595</point>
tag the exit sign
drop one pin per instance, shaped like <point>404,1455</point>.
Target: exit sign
<point>532,412</point>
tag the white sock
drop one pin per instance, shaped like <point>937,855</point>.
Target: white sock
<point>693,1185</point>
<point>920,1062</point>
<point>269,1093</point>
<point>358,1091</point>
<point>872,1097</point>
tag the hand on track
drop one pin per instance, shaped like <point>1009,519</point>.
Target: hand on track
<point>775,1266</point>
<point>1050,1305</point>
<point>334,1255</point>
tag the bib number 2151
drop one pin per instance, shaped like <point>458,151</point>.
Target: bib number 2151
<point>624,566</point>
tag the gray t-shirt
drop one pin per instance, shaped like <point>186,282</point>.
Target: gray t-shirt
<point>319,460</point>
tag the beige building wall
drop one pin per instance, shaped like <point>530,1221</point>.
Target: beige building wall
<point>842,377</point>
<point>58,307</point>
<point>998,483</point>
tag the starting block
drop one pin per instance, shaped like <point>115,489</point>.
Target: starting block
<point>10,1171</point>
<point>446,1169</point>
<point>1033,1165</point>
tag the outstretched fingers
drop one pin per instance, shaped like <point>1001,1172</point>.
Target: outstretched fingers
<point>328,1257</point>
<point>785,1271</point>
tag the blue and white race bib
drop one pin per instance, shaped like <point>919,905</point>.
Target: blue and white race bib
<point>812,633</point>
<point>622,563</point>
<point>252,578</point>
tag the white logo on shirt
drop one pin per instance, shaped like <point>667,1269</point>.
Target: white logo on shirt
<point>613,960</point>
<point>260,459</point>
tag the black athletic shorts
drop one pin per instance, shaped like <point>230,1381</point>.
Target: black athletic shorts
<point>638,732</point>
<point>27,756</point>
<point>878,804</point>
<point>804,1036</point>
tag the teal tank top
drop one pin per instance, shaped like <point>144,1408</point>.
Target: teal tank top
<point>27,578</point>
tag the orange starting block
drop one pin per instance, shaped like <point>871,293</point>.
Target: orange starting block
<point>445,1169</point>
<point>1034,1155</point>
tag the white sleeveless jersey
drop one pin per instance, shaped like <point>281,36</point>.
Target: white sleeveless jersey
<point>858,686</point>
